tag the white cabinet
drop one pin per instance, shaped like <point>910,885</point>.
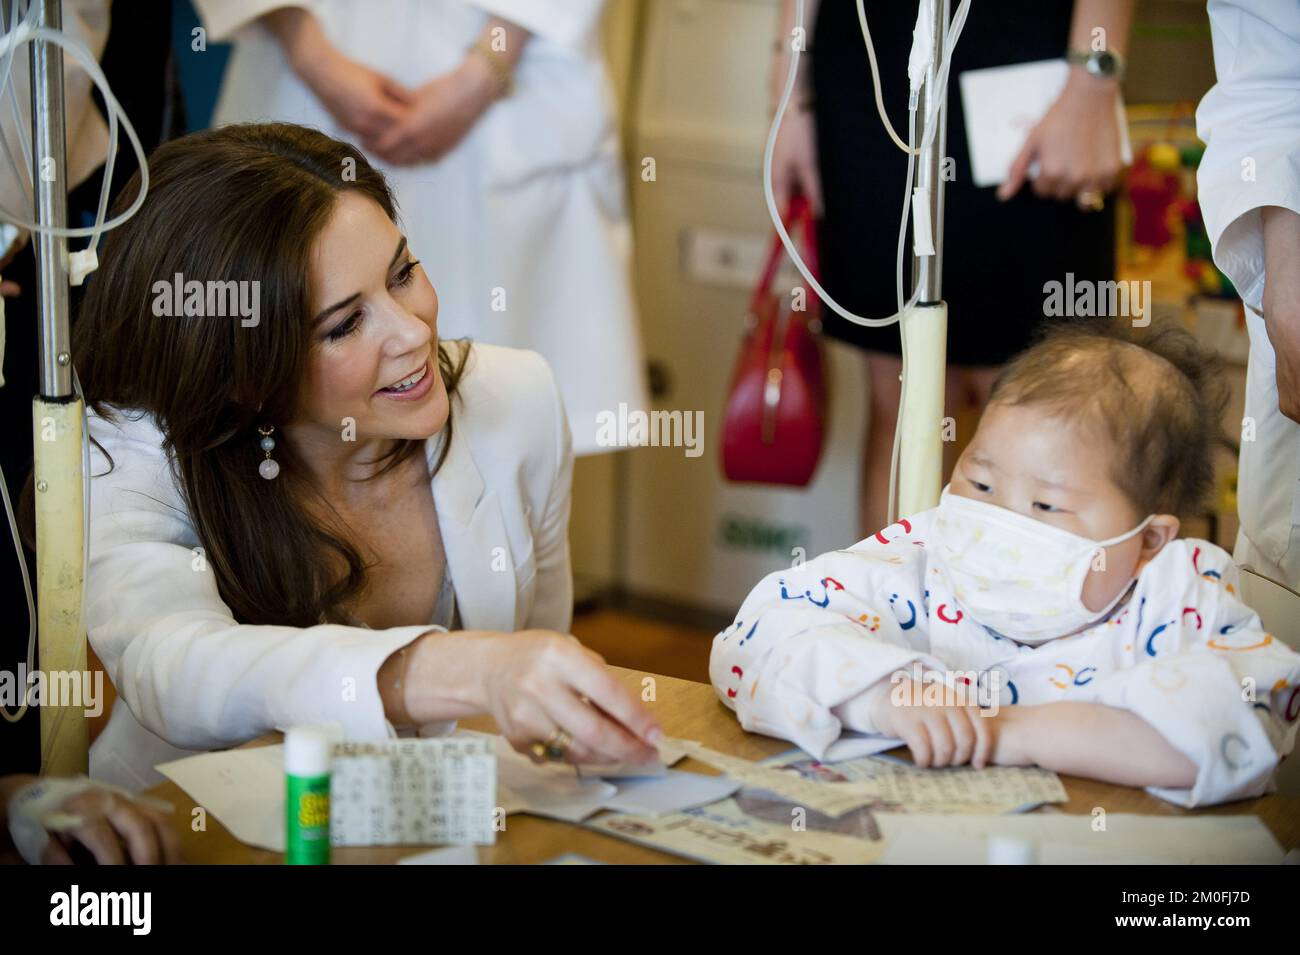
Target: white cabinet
<point>700,113</point>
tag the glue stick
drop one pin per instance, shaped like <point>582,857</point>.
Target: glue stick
<point>307,751</point>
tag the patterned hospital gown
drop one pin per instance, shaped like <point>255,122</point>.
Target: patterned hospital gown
<point>1182,652</point>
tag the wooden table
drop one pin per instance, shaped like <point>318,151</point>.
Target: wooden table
<point>691,711</point>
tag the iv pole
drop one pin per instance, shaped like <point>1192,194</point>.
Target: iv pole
<point>916,466</point>
<point>57,424</point>
<point>924,326</point>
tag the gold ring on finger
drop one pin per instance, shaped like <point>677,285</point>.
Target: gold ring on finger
<point>557,747</point>
<point>1090,200</point>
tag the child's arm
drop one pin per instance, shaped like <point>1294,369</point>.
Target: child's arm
<point>1090,740</point>
<point>808,642</point>
<point>1081,739</point>
<point>1205,677</point>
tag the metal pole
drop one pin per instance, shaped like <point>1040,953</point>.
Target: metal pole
<point>49,169</point>
<point>927,270</point>
<point>58,423</point>
<point>924,327</point>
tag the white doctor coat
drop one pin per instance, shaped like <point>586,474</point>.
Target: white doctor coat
<point>190,678</point>
<point>529,206</point>
<point>1250,122</point>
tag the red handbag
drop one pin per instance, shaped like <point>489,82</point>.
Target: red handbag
<point>775,420</point>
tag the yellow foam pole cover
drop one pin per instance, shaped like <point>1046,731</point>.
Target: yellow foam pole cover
<point>60,542</point>
<point>920,452</point>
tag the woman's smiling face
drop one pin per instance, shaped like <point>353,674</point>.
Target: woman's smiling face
<point>374,328</point>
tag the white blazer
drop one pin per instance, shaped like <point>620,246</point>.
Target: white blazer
<point>1250,121</point>
<point>190,678</point>
<point>524,223</point>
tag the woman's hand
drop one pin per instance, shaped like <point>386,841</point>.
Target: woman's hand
<point>533,683</point>
<point>361,100</point>
<point>1281,302</point>
<point>794,157</point>
<point>794,160</point>
<point>10,289</point>
<point>1076,144</point>
<point>111,826</point>
<point>539,681</point>
<point>441,113</point>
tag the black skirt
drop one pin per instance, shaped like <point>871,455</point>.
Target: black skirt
<point>997,256</point>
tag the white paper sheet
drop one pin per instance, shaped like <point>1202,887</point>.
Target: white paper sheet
<point>451,855</point>
<point>243,788</point>
<point>556,791</point>
<point>672,792</point>
<point>850,746</point>
<point>1062,838</point>
<point>667,757</point>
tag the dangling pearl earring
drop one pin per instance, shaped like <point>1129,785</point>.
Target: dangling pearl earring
<point>268,468</point>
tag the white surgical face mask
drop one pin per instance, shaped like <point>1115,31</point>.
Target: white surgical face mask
<point>1019,576</point>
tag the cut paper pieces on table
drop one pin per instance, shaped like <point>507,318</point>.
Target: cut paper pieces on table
<point>888,785</point>
<point>856,745</point>
<point>242,788</point>
<point>396,792</point>
<point>672,792</point>
<point>550,789</point>
<point>723,833</point>
<point>667,757</point>
<point>557,791</point>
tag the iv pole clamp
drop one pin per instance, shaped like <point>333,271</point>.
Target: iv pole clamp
<point>57,425</point>
<point>923,327</point>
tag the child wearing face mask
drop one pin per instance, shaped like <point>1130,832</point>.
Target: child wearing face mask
<point>1046,612</point>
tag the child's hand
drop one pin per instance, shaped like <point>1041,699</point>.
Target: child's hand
<point>53,818</point>
<point>948,733</point>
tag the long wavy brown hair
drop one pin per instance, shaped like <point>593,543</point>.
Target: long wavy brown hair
<point>238,203</point>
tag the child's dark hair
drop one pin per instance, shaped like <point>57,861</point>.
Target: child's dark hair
<point>1155,392</point>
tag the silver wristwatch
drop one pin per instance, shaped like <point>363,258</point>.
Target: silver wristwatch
<point>1103,64</point>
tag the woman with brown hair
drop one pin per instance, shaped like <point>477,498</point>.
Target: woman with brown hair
<point>285,525</point>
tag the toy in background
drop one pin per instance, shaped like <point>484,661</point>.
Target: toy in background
<point>1200,266</point>
<point>1162,189</point>
<point>1153,188</point>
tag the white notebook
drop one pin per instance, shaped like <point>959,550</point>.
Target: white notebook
<point>1003,103</point>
